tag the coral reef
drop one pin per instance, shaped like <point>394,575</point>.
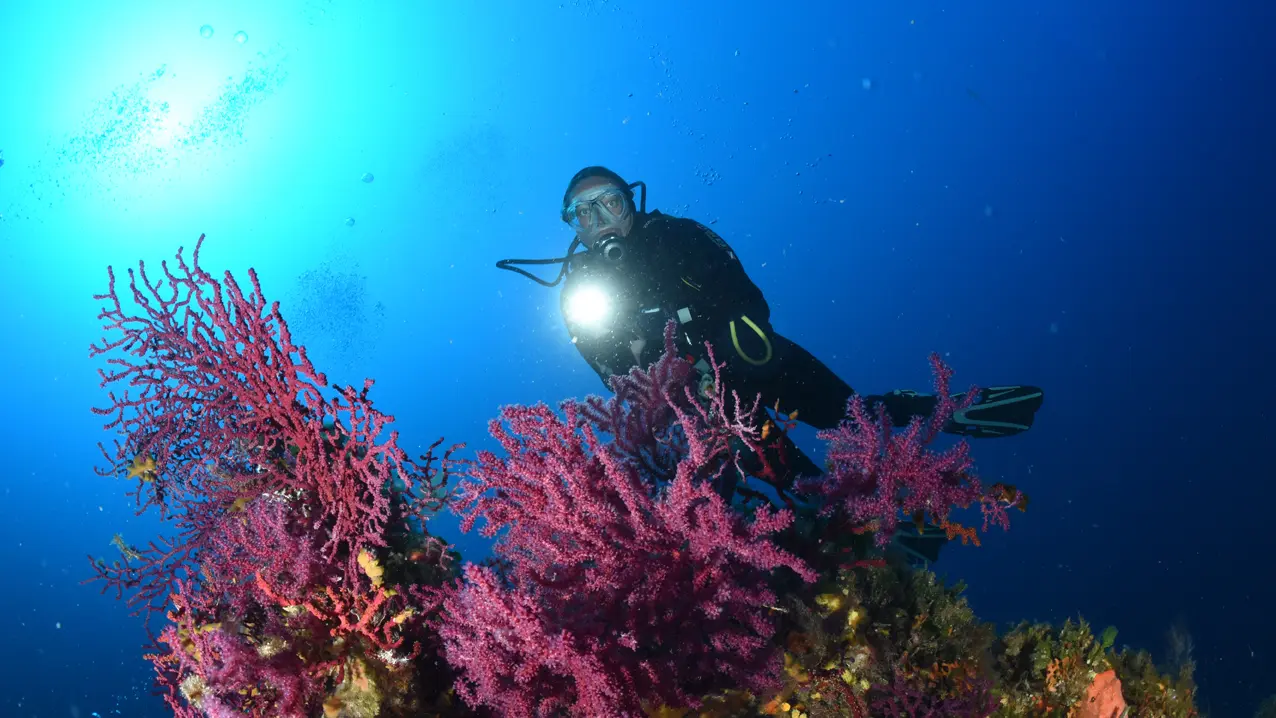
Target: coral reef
<point>295,516</point>
<point>647,560</point>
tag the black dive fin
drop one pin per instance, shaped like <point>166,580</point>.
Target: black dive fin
<point>920,546</point>
<point>999,411</point>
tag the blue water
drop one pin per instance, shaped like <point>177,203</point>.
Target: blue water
<point>1075,195</point>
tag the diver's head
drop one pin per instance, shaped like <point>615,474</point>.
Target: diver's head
<point>598,204</point>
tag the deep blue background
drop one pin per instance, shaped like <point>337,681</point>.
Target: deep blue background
<point>1073,194</point>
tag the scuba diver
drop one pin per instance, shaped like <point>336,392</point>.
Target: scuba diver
<point>641,269</point>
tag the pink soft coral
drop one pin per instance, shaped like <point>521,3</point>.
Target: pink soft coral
<point>876,473</point>
<point>623,587</point>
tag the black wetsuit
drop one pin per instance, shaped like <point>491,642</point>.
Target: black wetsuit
<point>677,268</point>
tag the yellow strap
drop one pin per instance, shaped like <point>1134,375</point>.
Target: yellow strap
<point>735,341</point>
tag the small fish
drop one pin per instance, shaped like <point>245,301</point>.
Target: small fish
<point>975,96</point>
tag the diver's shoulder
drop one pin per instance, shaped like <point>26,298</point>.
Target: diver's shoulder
<point>655,219</point>
<point>690,228</point>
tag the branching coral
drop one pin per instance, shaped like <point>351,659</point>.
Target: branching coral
<point>277,484</point>
<point>625,589</point>
<point>299,580</point>
<point>877,474</point>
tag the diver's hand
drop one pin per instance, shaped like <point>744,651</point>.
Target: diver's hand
<point>635,347</point>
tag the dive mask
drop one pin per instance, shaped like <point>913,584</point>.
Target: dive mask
<point>597,210</point>
<point>605,239</point>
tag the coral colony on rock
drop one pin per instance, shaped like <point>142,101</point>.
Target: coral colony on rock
<point>628,578</point>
